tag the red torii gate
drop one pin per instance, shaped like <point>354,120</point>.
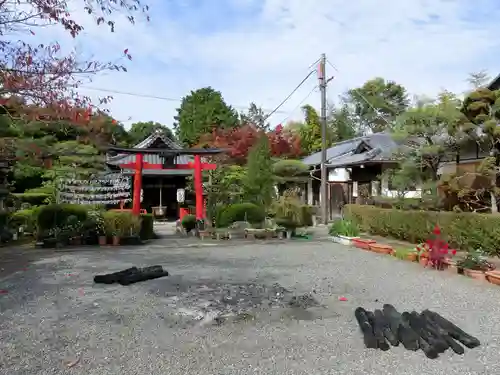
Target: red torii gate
<point>139,165</point>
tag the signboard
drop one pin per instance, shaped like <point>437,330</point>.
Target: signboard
<point>181,194</point>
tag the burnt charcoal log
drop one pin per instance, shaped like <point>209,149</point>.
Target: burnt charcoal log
<point>452,330</point>
<point>441,334</point>
<point>406,335</point>
<point>386,328</point>
<point>377,331</point>
<point>143,274</point>
<point>426,341</point>
<point>152,269</point>
<point>111,278</point>
<point>366,328</point>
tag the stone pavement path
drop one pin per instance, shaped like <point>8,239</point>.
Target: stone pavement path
<point>258,308</point>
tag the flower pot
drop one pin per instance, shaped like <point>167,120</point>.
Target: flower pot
<point>412,257</point>
<point>343,240</point>
<point>103,241</point>
<point>474,274</point>
<point>493,277</point>
<point>381,248</point>
<point>424,261</point>
<point>116,240</point>
<point>449,265</point>
<point>362,243</point>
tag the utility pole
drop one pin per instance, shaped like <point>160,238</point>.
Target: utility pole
<point>324,178</point>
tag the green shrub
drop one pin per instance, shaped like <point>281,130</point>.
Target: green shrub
<point>465,230</point>
<point>307,213</point>
<point>147,227</point>
<point>240,212</point>
<point>346,228</point>
<point>56,215</point>
<point>121,224</point>
<point>34,199</point>
<point>188,223</point>
<point>4,218</point>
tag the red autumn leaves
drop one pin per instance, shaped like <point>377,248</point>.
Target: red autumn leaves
<point>241,139</point>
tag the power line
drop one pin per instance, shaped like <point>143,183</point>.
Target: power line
<point>299,105</point>
<point>290,95</point>
<point>363,98</point>
<point>148,96</point>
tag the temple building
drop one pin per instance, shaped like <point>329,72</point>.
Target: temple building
<point>160,174</point>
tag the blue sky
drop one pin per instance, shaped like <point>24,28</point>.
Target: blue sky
<point>259,50</point>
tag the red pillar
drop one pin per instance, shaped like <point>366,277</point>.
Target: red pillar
<point>136,202</point>
<point>198,186</point>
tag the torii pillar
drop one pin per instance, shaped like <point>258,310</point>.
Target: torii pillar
<point>198,187</point>
<point>136,199</point>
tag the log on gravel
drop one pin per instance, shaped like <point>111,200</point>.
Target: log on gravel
<point>441,334</point>
<point>452,330</point>
<point>377,331</point>
<point>111,278</point>
<point>405,333</point>
<point>366,328</point>
<point>381,319</point>
<point>143,274</point>
<point>426,341</point>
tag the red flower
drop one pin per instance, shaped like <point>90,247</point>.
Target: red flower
<point>436,230</point>
<point>454,252</point>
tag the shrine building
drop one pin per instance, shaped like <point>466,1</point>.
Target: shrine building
<point>157,175</point>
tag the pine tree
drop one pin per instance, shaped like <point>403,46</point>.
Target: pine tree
<point>259,183</point>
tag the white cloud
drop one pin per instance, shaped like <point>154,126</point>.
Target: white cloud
<point>426,45</point>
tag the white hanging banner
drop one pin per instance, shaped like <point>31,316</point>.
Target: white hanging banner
<point>181,194</point>
<point>95,191</point>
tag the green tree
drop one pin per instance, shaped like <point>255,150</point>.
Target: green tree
<point>310,132</point>
<point>428,131</point>
<point>259,182</point>
<point>141,130</point>
<point>377,103</point>
<point>482,111</point>
<point>200,112</point>
<point>255,116</point>
<point>479,79</point>
<point>341,123</point>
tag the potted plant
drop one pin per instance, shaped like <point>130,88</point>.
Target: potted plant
<point>112,226</point>
<point>475,265</point>
<point>287,212</point>
<point>130,235</point>
<point>343,231</point>
<point>97,225</point>
<point>406,254</point>
<point>422,251</point>
<point>74,228</point>
<point>188,223</point>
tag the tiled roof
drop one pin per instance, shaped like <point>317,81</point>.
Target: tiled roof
<point>343,150</point>
<point>151,158</point>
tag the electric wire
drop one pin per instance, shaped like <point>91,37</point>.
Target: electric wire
<point>148,96</point>
<point>363,98</point>
<point>290,95</point>
<point>299,105</point>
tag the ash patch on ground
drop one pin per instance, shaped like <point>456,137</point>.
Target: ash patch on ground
<point>212,303</point>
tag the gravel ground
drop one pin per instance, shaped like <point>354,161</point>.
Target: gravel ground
<point>227,310</point>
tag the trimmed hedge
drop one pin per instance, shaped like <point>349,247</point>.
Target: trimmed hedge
<point>55,215</point>
<point>465,230</point>
<point>34,199</point>
<point>240,212</point>
<point>147,227</point>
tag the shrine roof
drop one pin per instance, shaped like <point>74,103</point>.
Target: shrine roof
<point>123,158</point>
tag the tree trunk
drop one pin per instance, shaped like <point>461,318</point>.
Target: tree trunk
<point>494,205</point>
